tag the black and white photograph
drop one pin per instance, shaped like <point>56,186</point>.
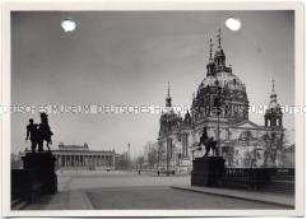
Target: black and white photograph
<point>153,110</point>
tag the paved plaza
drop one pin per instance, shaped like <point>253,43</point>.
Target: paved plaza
<point>85,180</point>
<point>165,198</point>
<point>128,190</point>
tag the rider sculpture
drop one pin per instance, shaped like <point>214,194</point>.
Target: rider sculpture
<point>209,143</point>
<point>39,133</point>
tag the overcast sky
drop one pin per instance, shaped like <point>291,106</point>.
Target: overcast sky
<point>128,58</point>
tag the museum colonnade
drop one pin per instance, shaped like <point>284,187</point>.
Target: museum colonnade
<point>82,160</point>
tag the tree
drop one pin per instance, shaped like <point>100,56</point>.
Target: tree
<point>123,162</point>
<point>139,162</point>
<point>153,157</point>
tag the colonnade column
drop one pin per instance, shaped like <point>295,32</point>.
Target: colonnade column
<point>85,160</point>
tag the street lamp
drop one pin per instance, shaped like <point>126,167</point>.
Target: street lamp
<point>168,142</point>
<point>218,107</point>
<point>167,157</point>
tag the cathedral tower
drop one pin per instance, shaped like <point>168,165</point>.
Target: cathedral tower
<point>168,98</point>
<point>211,63</point>
<point>219,57</point>
<point>273,115</point>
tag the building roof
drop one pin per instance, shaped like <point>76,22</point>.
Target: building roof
<point>248,124</point>
<point>73,147</point>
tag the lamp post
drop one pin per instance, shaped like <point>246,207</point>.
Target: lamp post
<point>158,151</point>
<point>167,165</point>
<point>217,105</point>
<point>168,145</point>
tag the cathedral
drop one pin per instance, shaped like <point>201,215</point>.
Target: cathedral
<point>221,106</point>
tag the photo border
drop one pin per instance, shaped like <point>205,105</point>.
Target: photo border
<point>172,5</point>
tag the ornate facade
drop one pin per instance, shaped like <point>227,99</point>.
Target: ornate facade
<point>80,157</point>
<point>221,105</point>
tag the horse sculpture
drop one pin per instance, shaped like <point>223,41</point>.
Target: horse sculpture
<point>209,143</point>
<point>44,132</point>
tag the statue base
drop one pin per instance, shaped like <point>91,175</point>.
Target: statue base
<point>42,166</point>
<point>207,171</point>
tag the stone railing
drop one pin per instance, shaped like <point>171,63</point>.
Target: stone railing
<point>255,178</point>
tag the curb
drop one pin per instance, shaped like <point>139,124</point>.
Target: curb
<point>78,200</point>
<point>234,196</point>
<point>87,201</point>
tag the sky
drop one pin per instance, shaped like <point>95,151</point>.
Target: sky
<point>127,58</point>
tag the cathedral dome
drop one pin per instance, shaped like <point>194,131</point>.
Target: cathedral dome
<point>224,80</point>
<point>232,92</point>
<point>220,83</point>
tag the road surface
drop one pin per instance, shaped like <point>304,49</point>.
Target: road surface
<point>128,190</point>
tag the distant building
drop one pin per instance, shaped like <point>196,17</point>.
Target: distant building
<point>81,157</point>
<point>123,161</point>
<point>151,155</point>
<point>241,142</point>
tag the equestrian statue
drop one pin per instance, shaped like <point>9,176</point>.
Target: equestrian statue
<point>209,143</point>
<point>39,134</point>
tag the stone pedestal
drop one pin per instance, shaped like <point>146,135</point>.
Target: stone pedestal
<point>42,167</point>
<point>207,171</point>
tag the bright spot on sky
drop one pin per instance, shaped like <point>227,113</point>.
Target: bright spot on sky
<point>233,24</point>
<point>68,25</point>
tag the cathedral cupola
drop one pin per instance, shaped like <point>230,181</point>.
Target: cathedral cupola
<point>169,120</point>
<point>219,57</point>
<point>187,118</point>
<point>273,115</point>
<point>211,64</point>
<point>273,97</point>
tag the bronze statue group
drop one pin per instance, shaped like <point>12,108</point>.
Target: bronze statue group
<point>38,133</point>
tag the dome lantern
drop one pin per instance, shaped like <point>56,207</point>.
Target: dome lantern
<point>211,64</point>
<point>219,57</point>
<point>168,98</point>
